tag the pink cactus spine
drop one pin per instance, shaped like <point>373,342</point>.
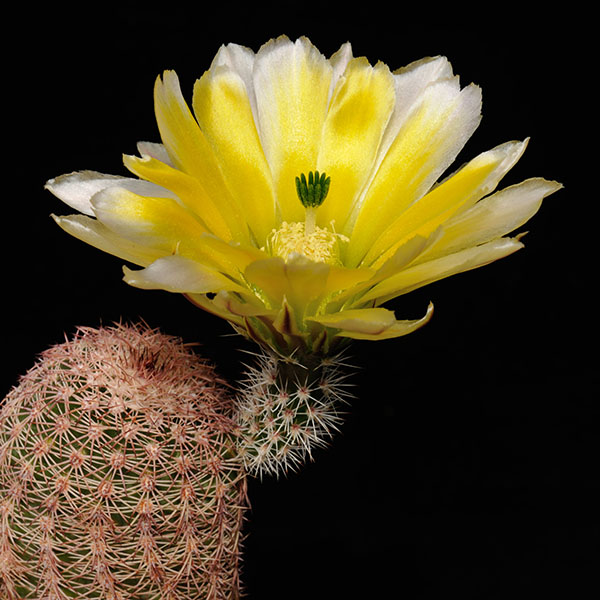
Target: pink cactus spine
<point>119,477</point>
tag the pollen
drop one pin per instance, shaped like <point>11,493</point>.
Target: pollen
<point>320,245</point>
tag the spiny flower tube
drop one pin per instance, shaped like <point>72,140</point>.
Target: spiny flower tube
<point>300,193</point>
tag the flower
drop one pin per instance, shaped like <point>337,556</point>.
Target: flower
<point>300,193</point>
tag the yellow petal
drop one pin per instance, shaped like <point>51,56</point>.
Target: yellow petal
<point>230,256</point>
<point>410,83</point>
<point>222,107</point>
<point>190,151</point>
<point>182,138</point>
<point>463,189</point>
<point>292,85</point>
<point>229,302</point>
<point>364,320</point>
<point>208,304</point>
<point>307,284</point>
<point>371,323</point>
<point>268,276</point>
<point>187,188</point>
<point>78,188</point>
<point>425,273</point>
<point>158,223</point>
<point>181,275</point>
<point>306,281</point>
<point>342,278</point>
<point>98,235</point>
<point>300,280</point>
<point>359,112</point>
<point>426,145</point>
<point>493,216</point>
<point>352,294</point>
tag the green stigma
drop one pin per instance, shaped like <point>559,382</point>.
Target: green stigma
<point>313,192</point>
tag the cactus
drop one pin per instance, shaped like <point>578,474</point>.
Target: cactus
<point>119,478</point>
<point>123,462</point>
<point>286,408</point>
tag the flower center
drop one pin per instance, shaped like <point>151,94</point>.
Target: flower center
<point>316,243</point>
<point>320,245</point>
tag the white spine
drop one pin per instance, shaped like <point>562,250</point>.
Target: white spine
<point>286,409</point>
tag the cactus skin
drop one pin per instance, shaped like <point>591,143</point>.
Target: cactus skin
<point>287,407</point>
<point>119,477</point>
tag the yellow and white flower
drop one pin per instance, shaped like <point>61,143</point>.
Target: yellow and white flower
<point>228,212</point>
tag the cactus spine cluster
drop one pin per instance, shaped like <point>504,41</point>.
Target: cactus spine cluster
<point>118,474</point>
<point>286,408</point>
<point>123,462</point>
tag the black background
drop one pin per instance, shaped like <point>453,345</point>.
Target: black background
<point>467,466</point>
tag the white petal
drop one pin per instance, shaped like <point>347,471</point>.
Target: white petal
<point>77,189</point>
<point>98,235</point>
<point>410,82</point>
<point>456,194</point>
<point>493,216</point>
<point>292,81</point>
<point>161,223</point>
<point>154,150</point>
<point>240,60</point>
<point>339,61</point>
<point>430,139</point>
<point>428,272</point>
<point>180,275</point>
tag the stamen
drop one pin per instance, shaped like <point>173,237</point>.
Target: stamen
<point>321,245</point>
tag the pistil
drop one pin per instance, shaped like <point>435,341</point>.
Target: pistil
<point>312,192</point>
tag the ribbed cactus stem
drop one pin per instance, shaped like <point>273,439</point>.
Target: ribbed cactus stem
<point>119,475</point>
<point>288,407</point>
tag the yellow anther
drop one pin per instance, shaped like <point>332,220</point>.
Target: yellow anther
<point>320,245</point>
